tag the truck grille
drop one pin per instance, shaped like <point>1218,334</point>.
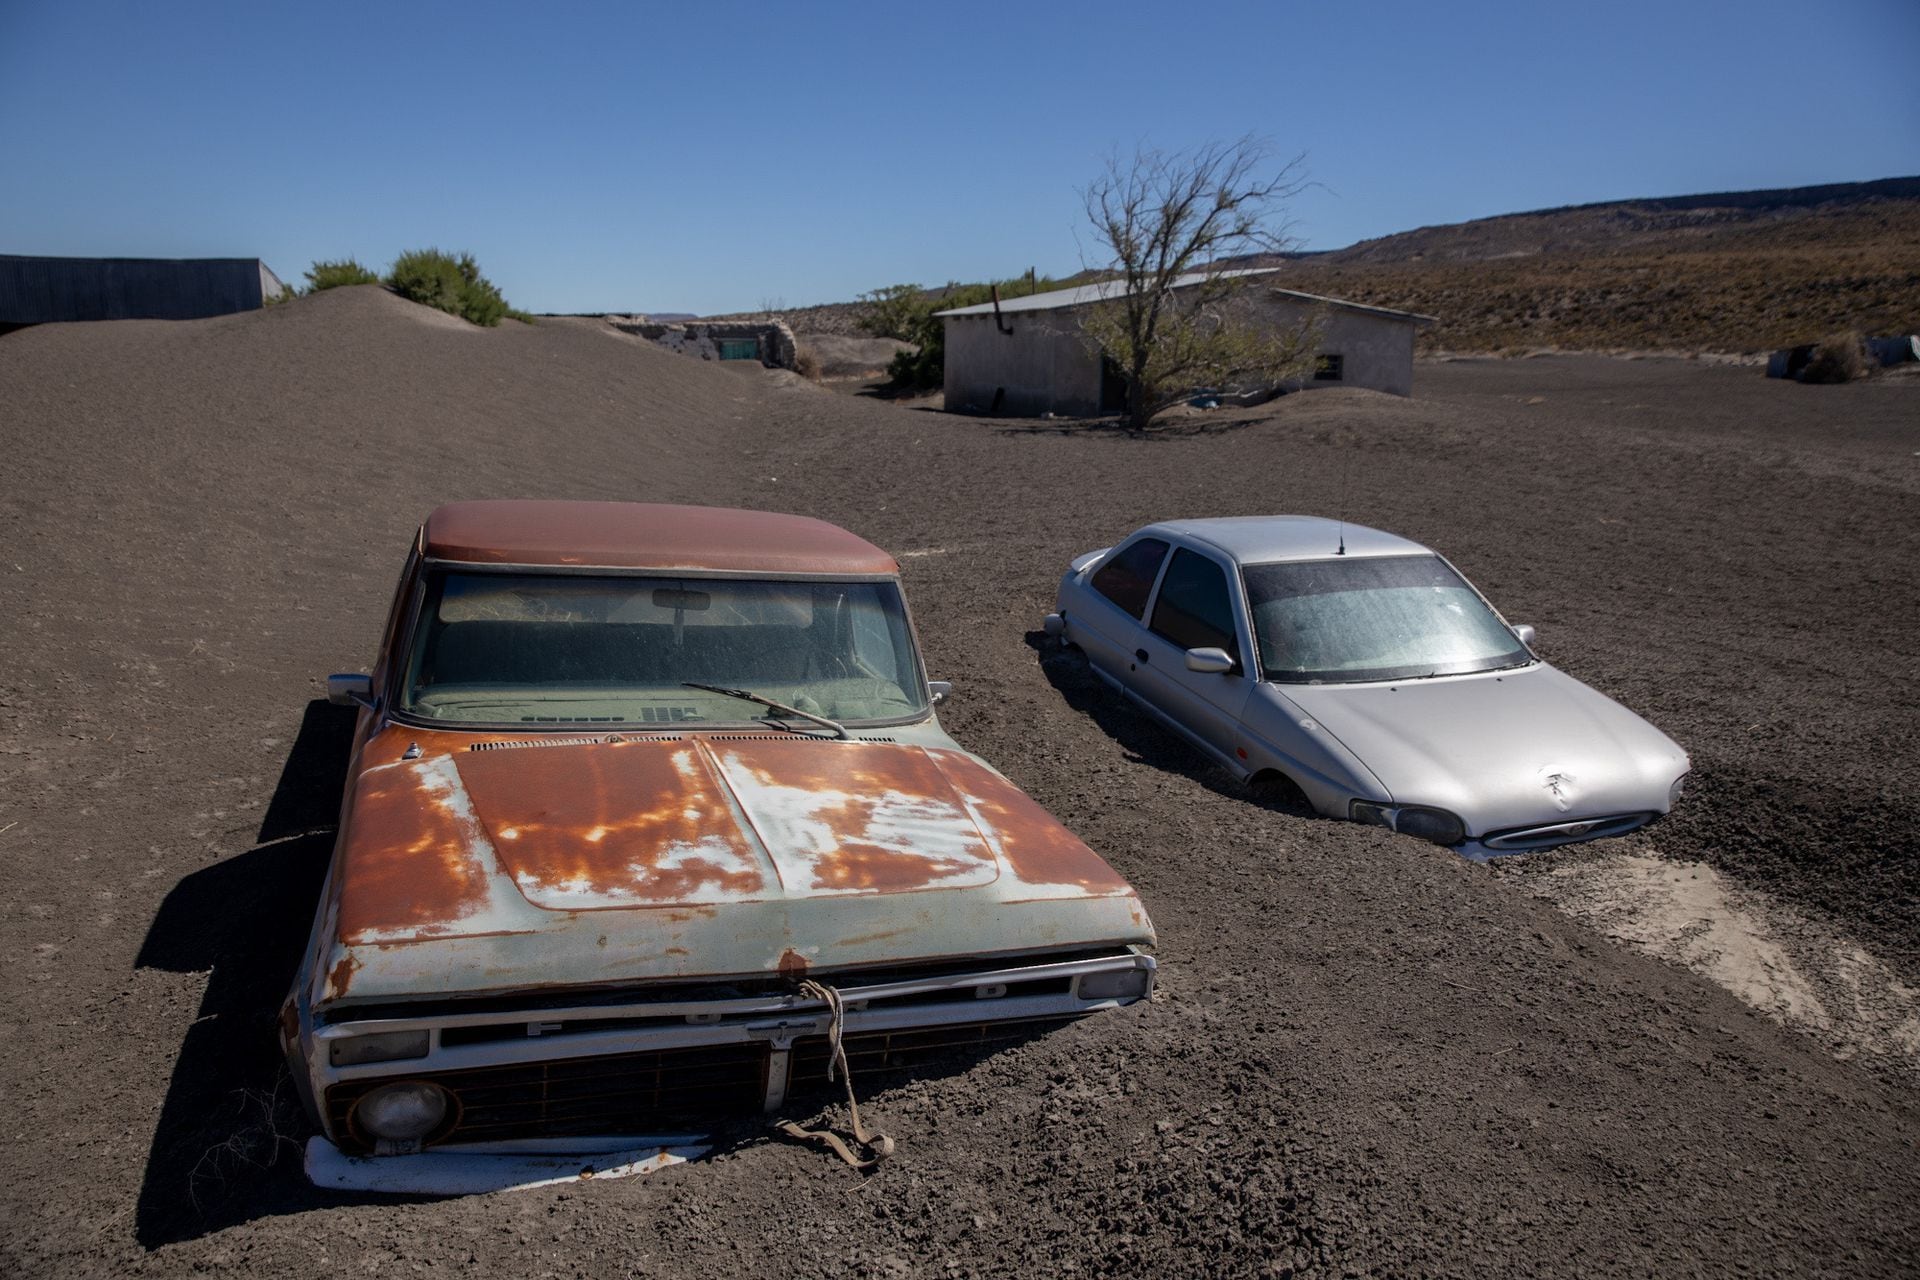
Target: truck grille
<point>660,1091</point>
<point>665,1090</point>
<point>882,1051</point>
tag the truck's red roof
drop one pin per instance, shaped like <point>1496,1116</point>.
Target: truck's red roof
<point>646,535</point>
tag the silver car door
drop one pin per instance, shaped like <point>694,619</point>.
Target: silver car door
<point>1196,608</point>
<point>1107,625</point>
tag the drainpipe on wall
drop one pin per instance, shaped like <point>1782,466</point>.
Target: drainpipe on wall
<point>998,323</point>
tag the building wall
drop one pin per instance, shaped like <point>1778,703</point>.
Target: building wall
<point>1376,352</point>
<point>48,290</point>
<point>702,338</point>
<point>1043,366</point>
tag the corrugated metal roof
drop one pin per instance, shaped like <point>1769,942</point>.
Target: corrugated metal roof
<point>1061,299</point>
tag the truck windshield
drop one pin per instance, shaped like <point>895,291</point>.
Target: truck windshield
<point>515,648</point>
<point>1373,618</point>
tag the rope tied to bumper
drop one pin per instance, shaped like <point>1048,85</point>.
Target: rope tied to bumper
<point>878,1145</point>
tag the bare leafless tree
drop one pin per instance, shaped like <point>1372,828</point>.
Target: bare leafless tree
<point>1158,216</point>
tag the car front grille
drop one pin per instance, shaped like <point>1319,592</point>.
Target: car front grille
<point>1545,837</point>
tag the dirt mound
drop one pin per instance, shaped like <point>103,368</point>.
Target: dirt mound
<point>1366,1056</point>
<point>849,357</point>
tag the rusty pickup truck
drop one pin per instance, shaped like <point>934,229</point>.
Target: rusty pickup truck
<point>644,802</point>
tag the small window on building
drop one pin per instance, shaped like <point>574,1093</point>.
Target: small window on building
<point>739,348</point>
<point>1127,578</point>
<point>1329,368</point>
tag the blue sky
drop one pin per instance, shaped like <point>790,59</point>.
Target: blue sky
<point>708,157</point>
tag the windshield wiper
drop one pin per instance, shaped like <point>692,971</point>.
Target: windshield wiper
<point>839,730</point>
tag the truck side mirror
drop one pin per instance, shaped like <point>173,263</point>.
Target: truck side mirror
<point>1526,634</point>
<point>939,690</point>
<point>350,689</point>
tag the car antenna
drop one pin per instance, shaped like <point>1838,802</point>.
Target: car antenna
<point>1346,474</point>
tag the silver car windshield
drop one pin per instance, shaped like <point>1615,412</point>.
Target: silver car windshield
<point>514,648</point>
<point>1373,618</point>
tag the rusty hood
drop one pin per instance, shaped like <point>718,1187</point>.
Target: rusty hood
<point>510,865</point>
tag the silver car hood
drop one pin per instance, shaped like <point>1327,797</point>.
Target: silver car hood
<point>1500,749</point>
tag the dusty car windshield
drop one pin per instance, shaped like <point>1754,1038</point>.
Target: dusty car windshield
<point>563,648</point>
<point>1373,618</point>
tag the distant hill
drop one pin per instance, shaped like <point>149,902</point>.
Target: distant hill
<point>1734,271</point>
<point>1665,222</point>
<point>1741,271</point>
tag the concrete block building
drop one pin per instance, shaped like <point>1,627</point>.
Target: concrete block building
<point>1028,356</point>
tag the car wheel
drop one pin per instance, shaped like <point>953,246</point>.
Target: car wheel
<point>1274,790</point>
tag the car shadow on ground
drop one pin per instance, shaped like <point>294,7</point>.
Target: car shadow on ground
<point>1068,671</point>
<point>229,1145</point>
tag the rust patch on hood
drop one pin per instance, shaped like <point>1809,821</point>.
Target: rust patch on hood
<point>792,964</point>
<point>856,817</point>
<point>1038,850</point>
<point>613,825</point>
<point>413,864</point>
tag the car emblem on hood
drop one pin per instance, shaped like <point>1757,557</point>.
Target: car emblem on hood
<point>1559,785</point>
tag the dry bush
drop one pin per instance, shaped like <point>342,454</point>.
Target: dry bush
<point>1842,357</point>
<point>806,362</point>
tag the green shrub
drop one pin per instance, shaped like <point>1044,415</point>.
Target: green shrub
<point>895,311</point>
<point>451,284</point>
<point>329,274</point>
<point>906,312</point>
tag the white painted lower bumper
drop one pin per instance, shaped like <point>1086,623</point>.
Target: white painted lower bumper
<point>475,1170</point>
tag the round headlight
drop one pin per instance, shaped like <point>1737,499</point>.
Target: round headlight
<point>1436,825</point>
<point>404,1112</point>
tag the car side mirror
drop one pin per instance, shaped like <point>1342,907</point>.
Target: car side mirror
<point>1526,634</point>
<point>1209,661</point>
<point>350,689</point>
<point>939,690</point>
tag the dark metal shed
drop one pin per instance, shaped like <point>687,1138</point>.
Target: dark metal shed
<point>44,290</point>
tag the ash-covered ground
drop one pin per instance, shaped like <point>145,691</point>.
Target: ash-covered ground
<point>1366,1056</point>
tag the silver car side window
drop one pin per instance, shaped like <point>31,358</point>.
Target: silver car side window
<point>1127,577</point>
<point>1194,609</point>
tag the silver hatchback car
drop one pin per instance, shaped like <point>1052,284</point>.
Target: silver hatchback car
<point>1363,669</point>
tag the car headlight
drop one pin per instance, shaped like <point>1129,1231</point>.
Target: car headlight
<point>1674,792</point>
<point>385,1046</point>
<point>1436,825</point>
<point>404,1112</point>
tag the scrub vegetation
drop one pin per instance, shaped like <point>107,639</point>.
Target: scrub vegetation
<point>333,274</point>
<point>447,282</point>
<point>450,283</point>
